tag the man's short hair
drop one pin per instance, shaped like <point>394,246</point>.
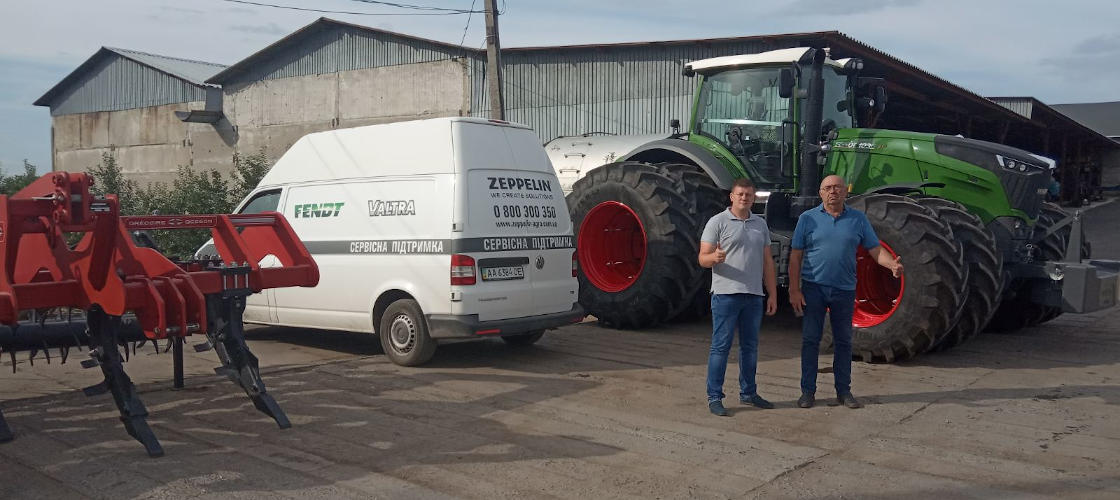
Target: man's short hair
<point>743,183</point>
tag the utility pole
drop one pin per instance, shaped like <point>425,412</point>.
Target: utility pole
<point>494,62</point>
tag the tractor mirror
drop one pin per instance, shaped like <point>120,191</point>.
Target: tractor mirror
<point>880,99</point>
<point>785,83</point>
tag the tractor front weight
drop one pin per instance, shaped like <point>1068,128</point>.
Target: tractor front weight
<point>109,295</point>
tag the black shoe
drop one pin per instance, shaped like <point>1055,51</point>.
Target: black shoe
<point>806,400</point>
<point>757,401</point>
<point>717,409</point>
<point>847,399</point>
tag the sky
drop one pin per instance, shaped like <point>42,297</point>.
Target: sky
<point>1058,52</point>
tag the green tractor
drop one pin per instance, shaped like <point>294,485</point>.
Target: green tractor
<point>982,249</point>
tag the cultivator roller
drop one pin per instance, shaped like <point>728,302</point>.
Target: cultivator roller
<point>112,297</point>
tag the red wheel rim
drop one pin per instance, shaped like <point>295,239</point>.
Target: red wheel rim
<point>878,292</point>
<point>611,246</point>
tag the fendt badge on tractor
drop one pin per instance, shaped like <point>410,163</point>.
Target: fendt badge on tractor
<point>126,294</point>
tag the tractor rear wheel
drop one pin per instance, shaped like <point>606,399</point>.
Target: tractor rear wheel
<point>705,200</point>
<point>984,265</point>
<point>898,318</point>
<point>636,243</point>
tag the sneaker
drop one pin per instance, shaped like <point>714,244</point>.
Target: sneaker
<point>717,409</point>
<point>847,399</point>
<point>757,401</point>
<point>806,400</point>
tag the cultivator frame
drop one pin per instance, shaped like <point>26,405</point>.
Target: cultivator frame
<point>133,294</point>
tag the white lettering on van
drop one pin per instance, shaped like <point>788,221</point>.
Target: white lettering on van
<point>397,246</point>
<point>388,208</point>
<point>497,244</point>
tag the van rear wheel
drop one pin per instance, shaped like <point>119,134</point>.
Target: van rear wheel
<point>404,334</point>
<point>523,340</point>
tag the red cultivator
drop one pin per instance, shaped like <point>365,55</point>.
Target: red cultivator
<point>108,276</point>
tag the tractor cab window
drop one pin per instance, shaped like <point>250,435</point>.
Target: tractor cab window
<point>836,112</point>
<point>742,110</point>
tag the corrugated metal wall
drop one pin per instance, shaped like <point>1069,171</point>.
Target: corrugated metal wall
<point>1024,107</point>
<point>557,91</point>
<point>618,90</point>
<point>116,83</point>
<point>339,48</point>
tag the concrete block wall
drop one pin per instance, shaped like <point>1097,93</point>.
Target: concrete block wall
<point>274,114</point>
<point>150,143</point>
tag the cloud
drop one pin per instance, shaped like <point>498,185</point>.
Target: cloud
<point>1102,44</point>
<point>845,8</point>
<point>271,29</point>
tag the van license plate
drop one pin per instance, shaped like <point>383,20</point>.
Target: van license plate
<point>503,273</point>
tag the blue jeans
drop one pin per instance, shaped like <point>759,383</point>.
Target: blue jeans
<point>840,304</point>
<point>742,310</point>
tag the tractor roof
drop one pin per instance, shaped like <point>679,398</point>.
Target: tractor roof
<point>780,56</point>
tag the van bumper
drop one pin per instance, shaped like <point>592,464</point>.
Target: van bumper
<point>447,326</point>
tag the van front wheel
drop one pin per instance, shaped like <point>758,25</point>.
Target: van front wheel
<point>404,334</point>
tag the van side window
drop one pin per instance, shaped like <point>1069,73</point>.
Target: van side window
<point>263,202</point>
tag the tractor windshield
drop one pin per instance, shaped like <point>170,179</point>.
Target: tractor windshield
<point>742,110</point>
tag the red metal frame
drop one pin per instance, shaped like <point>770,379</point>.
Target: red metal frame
<point>38,270</point>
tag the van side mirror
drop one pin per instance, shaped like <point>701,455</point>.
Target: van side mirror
<point>785,83</point>
<point>675,125</point>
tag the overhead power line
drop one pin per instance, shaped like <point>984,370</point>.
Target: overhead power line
<point>464,39</point>
<point>450,12</point>
<point>416,7</point>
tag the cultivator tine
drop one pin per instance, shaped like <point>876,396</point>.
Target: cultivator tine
<point>104,330</point>
<point>5,431</point>
<point>227,335</point>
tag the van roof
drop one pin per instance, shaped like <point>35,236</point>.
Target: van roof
<point>400,148</point>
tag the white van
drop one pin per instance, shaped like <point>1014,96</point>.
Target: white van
<point>423,230</point>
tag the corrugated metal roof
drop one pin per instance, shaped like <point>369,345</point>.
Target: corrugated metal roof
<point>338,46</point>
<point>1104,117</point>
<point>196,72</point>
<point>122,79</point>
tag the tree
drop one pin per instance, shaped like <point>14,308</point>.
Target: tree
<point>11,184</point>
<point>192,192</point>
<point>247,173</point>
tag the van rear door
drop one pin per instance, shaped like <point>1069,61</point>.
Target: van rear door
<point>517,225</point>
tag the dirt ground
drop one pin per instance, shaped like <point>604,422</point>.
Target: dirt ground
<point>588,412</point>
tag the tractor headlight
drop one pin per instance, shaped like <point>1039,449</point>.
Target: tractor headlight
<point>1057,273</point>
<point>1011,164</point>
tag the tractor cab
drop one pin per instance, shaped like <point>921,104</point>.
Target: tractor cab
<point>749,110</point>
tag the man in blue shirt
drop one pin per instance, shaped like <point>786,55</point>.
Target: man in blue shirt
<point>822,278</point>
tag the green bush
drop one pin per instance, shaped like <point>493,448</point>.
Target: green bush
<point>10,184</point>
<point>192,192</point>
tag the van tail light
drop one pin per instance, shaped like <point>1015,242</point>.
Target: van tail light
<point>462,270</point>
<point>575,263</point>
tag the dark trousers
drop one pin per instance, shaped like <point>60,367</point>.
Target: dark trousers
<point>840,304</point>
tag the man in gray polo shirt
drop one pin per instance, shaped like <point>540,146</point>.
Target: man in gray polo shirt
<point>736,245</point>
